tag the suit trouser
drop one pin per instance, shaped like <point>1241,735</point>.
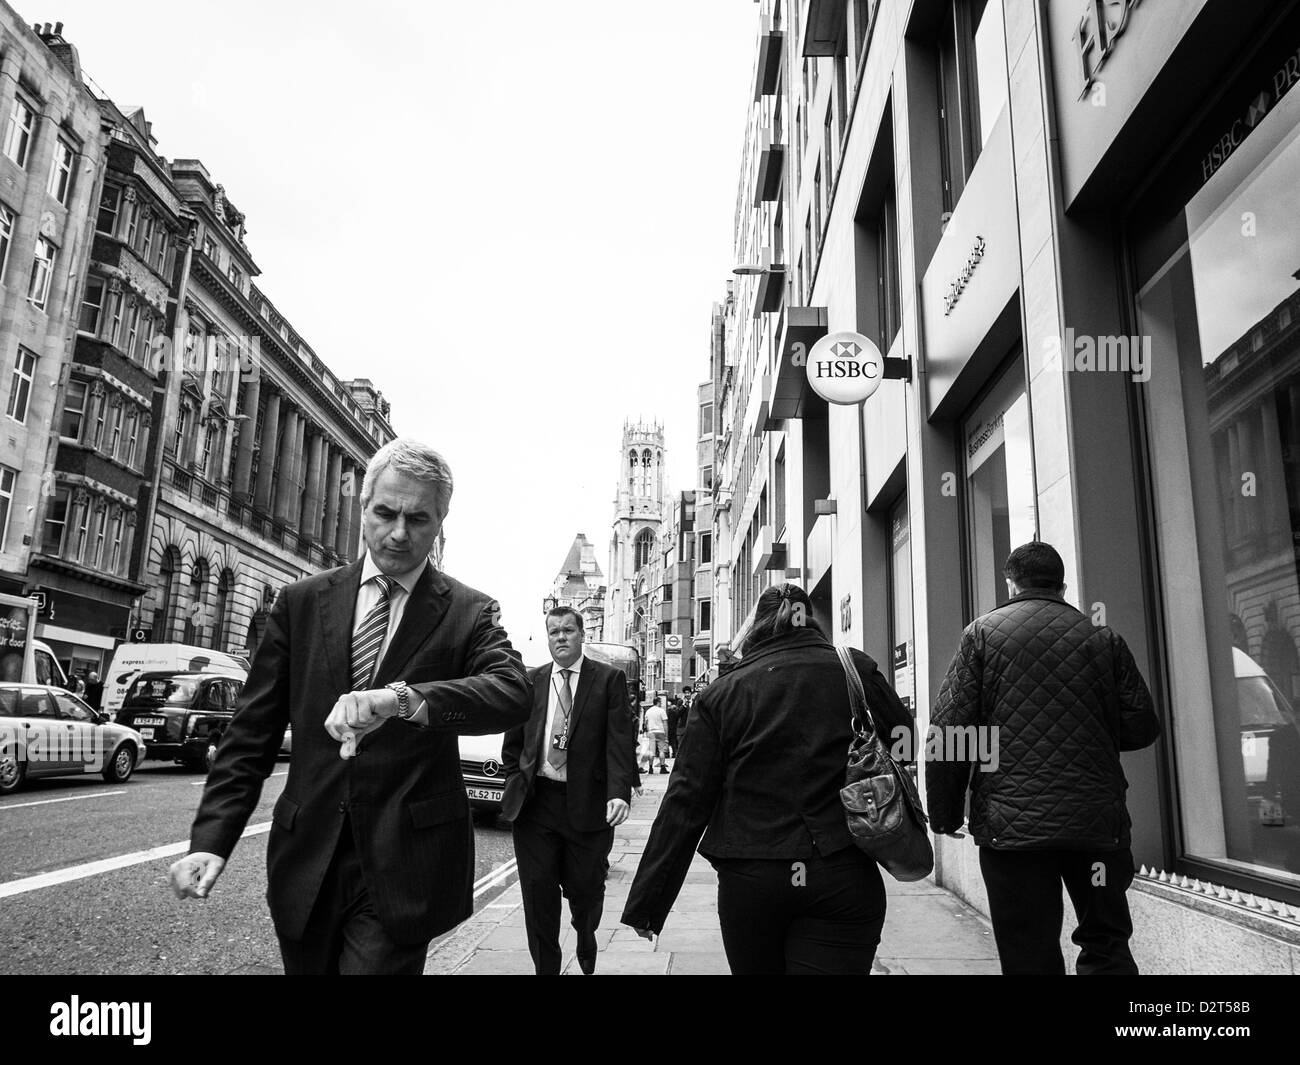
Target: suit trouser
<point>1024,889</point>
<point>343,936</point>
<point>554,857</point>
<point>801,917</point>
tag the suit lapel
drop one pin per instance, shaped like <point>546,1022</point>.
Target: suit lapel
<point>537,723</point>
<point>425,609</point>
<point>336,620</point>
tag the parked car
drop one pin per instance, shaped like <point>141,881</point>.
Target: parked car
<point>47,732</point>
<point>480,764</point>
<point>132,659</point>
<point>1270,743</point>
<point>181,716</point>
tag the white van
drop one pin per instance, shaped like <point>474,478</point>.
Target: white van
<point>132,659</point>
<point>48,670</point>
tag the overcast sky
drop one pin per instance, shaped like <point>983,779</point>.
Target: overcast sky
<point>512,216</point>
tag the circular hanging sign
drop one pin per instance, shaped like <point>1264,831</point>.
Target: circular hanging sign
<point>845,367</point>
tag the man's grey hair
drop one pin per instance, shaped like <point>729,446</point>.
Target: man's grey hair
<point>414,459</point>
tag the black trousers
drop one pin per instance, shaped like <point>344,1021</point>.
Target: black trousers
<point>555,858</point>
<point>1024,889</point>
<point>343,936</point>
<point>810,916</point>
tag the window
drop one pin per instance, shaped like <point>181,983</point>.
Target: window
<point>778,497</point>
<point>1226,504</point>
<point>132,437</point>
<point>38,288</point>
<point>235,274</point>
<point>92,306</point>
<point>706,478</point>
<point>706,548</point>
<point>706,615</point>
<point>706,419</point>
<point>115,559</point>
<point>101,410</point>
<point>972,87</point>
<point>97,540</point>
<point>6,235</point>
<point>224,585</point>
<point>1001,508</point>
<point>132,330</point>
<point>110,201</point>
<point>115,325</point>
<point>56,520</point>
<point>888,298</point>
<point>114,428</point>
<point>209,440</point>
<point>74,410</point>
<point>18,134</point>
<point>20,384</point>
<point>61,171</point>
<point>643,548</point>
<point>7,479</point>
<point>182,427</point>
<point>132,219</point>
<point>209,247</point>
<point>83,530</point>
<point>146,236</point>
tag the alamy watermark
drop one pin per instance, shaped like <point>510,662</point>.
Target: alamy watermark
<point>41,743</point>
<point>1082,352</point>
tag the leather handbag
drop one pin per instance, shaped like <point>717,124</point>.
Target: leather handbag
<point>881,804</point>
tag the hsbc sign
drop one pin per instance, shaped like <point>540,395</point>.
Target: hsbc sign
<point>845,368</point>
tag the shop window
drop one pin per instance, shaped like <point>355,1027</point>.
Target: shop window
<point>999,503</point>
<point>1223,414</point>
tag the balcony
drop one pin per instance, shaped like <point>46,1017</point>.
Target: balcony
<point>771,286</point>
<point>771,166</point>
<point>825,28</point>
<point>789,394</point>
<point>769,554</point>
<point>769,63</point>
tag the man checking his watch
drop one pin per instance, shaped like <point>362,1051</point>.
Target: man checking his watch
<point>371,854</point>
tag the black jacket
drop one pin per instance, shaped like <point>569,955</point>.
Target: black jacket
<point>761,763</point>
<point>602,746</point>
<point>403,793</point>
<point>1066,697</point>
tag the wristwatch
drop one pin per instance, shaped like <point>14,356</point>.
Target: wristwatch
<point>404,710</point>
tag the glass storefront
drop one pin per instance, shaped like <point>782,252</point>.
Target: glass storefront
<point>1216,249</point>
<point>1000,505</point>
<point>902,652</point>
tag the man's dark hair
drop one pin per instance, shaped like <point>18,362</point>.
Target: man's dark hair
<point>564,612</point>
<point>1035,565</point>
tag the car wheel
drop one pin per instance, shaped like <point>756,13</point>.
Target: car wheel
<point>12,771</point>
<point>120,766</point>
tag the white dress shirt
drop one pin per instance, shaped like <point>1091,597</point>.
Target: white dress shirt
<point>398,597</point>
<point>554,717</point>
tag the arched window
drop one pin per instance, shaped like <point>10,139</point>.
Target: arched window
<point>631,459</point>
<point>197,616</point>
<point>645,457</point>
<point>225,585</point>
<point>642,547</point>
<point>164,616</point>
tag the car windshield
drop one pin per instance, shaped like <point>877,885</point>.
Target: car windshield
<point>175,690</point>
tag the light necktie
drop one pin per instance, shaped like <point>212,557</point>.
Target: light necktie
<point>555,756</point>
<point>368,638</point>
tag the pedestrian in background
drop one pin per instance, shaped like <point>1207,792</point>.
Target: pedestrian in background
<point>760,780</point>
<point>674,716</point>
<point>1065,697</point>
<point>656,723</point>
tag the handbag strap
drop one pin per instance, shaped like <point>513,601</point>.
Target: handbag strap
<point>861,718</point>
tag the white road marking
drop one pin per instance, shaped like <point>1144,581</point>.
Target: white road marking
<point>200,783</point>
<point>501,873</point>
<point>107,865</point>
<point>70,798</point>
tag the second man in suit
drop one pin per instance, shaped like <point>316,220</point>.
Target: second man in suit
<point>569,775</point>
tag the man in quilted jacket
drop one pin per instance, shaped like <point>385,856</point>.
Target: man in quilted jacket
<point>1064,697</point>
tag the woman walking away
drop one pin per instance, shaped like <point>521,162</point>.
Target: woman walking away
<point>759,776</point>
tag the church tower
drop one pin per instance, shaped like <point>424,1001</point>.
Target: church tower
<point>638,518</point>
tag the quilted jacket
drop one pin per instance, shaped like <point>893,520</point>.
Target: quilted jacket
<point>1065,697</point>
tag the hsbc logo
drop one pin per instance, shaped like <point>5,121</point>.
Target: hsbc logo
<point>1255,111</point>
<point>845,368</point>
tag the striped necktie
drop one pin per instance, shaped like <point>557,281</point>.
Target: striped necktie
<point>368,638</point>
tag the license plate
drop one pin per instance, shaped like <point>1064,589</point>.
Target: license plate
<point>147,733</point>
<point>150,721</point>
<point>492,794</point>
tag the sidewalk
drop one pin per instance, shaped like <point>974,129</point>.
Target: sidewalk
<point>927,929</point>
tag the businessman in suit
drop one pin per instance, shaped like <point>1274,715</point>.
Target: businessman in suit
<point>378,665</point>
<point>569,775</point>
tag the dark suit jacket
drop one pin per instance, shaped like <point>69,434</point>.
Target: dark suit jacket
<point>602,746</point>
<point>403,792</point>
